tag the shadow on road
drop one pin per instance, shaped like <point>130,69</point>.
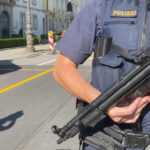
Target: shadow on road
<point>6,66</point>
<point>9,121</point>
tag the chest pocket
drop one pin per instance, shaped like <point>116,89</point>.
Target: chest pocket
<point>121,23</point>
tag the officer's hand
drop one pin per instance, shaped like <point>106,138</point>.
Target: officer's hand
<point>130,113</point>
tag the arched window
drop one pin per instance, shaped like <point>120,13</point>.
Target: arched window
<point>69,6</point>
<point>4,24</point>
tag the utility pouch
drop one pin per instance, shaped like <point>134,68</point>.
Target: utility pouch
<point>112,138</point>
<point>104,44</point>
<point>101,141</point>
<point>102,47</point>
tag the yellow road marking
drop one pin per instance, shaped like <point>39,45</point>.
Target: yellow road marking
<point>24,81</point>
<point>85,70</point>
<point>57,51</point>
<point>39,69</point>
<point>91,57</point>
<point>5,69</point>
<point>89,70</point>
<point>80,70</point>
<point>32,69</point>
<point>26,69</point>
<point>23,69</point>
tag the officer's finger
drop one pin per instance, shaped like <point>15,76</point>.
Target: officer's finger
<point>124,111</point>
<point>141,108</point>
<point>143,103</point>
<point>134,117</point>
<point>145,99</point>
<point>130,120</point>
<point>126,119</point>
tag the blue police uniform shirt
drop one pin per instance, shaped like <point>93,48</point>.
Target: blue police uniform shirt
<point>78,44</point>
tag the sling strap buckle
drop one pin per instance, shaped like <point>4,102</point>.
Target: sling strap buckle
<point>132,140</point>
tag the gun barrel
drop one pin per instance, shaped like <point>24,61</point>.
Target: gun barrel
<point>91,112</point>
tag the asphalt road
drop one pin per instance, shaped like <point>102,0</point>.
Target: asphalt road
<point>31,102</point>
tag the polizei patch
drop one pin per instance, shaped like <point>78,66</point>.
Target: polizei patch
<point>124,13</point>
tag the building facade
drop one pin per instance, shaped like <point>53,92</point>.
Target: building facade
<point>60,13</point>
<point>37,17</point>
<point>57,17</point>
<point>46,15</point>
<point>6,18</point>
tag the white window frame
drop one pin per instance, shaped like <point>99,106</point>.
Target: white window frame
<point>35,22</point>
<point>22,20</point>
<point>25,1</point>
<point>34,2</point>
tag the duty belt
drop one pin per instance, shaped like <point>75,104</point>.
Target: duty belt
<point>132,140</point>
<point>128,139</point>
<point>113,138</point>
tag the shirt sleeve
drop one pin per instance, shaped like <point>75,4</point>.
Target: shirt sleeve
<point>77,42</point>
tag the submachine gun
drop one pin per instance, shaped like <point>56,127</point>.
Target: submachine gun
<point>135,84</point>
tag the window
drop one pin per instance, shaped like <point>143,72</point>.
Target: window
<point>69,7</point>
<point>22,20</point>
<point>33,2</point>
<point>25,1</point>
<point>35,22</point>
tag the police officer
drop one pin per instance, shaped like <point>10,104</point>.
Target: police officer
<point>123,20</point>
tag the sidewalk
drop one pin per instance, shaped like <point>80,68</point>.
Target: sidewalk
<point>19,52</point>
